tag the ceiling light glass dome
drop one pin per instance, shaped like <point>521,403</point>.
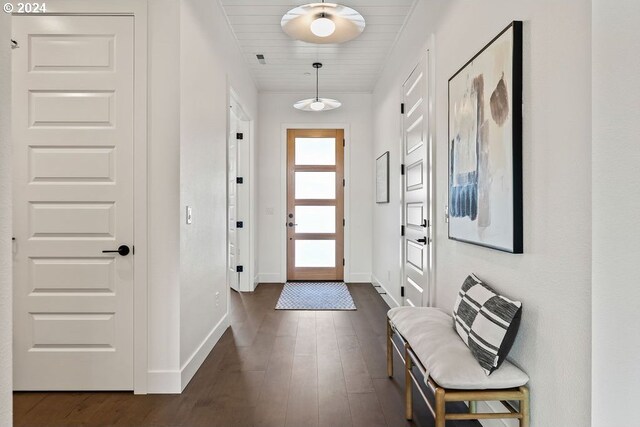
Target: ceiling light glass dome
<point>323,23</point>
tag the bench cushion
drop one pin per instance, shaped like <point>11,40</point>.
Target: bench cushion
<point>445,356</point>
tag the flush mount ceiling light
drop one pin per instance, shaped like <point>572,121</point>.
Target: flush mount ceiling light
<point>317,103</point>
<point>323,23</point>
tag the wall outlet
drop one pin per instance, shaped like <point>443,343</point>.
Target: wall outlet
<point>217,299</point>
<point>269,211</point>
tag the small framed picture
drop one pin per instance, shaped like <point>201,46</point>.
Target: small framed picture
<point>382,178</point>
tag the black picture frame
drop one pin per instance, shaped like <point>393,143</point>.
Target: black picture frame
<point>460,185</point>
<point>382,178</point>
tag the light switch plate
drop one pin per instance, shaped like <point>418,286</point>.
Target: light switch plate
<point>189,215</point>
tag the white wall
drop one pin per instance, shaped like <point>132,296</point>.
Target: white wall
<point>552,278</point>
<point>6,322</point>
<point>209,58</point>
<point>616,209</point>
<point>387,122</point>
<point>277,110</point>
<point>164,194</point>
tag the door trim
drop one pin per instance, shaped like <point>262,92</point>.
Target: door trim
<point>346,128</point>
<point>137,9</point>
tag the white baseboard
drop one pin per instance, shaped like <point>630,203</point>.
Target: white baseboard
<point>269,278</point>
<point>386,296</point>
<point>494,407</point>
<point>194,362</point>
<point>359,278</point>
<point>163,382</point>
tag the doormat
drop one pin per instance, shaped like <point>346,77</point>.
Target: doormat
<point>315,296</point>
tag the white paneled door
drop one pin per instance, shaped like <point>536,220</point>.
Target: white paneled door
<point>73,130</point>
<point>416,188</point>
<point>232,203</point>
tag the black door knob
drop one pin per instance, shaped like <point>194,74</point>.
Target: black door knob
<point>123,250</point>
<point>423,240</point>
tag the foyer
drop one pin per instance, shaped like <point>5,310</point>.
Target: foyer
<point>157,192</point>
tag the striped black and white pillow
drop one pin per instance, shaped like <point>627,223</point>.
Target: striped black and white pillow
<point>486,322</point>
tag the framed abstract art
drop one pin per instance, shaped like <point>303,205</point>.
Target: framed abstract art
<point>485,146</point>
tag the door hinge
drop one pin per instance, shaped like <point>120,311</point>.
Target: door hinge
<point>402,230</point>
<point>402,169</point>
<point>239,224</point>
<point>343,142</point>
<point>239,268</point>
<point>344,222</point>
<point>344,182</point>
<point>133,249</point>
<point>402,108</point>
<point>239,135</point>
<point>343,261</point>
<point>402,291</point>
<point>239,180</point>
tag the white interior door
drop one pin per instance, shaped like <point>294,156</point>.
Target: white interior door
<point>232,202</point>
<point>73,127</point>
<point>416,240</point>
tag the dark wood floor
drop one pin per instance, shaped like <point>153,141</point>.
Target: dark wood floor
<point>271,368</point>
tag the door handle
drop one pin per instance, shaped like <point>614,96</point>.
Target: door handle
<point>423,240</point>
<point>291,224</point>
<point>123,250</point>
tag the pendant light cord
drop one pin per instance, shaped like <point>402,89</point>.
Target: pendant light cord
<point>317,90</point>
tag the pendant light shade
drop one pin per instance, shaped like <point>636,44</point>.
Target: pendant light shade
<point>317,103</point>
<point>323,23</point>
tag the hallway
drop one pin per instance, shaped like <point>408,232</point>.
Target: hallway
<point>271,368</point>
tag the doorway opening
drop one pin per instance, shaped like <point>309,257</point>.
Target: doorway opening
<point>315,204</point>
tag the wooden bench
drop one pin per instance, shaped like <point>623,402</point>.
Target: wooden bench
<point>426,340</point>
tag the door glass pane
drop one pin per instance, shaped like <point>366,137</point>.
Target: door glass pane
<point>315,151</point>
<point>315,185</point>
<point>315,219</point>
<point>315,253</point>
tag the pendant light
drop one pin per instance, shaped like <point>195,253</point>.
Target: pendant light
<point>323,23</point>
<point>317,103</point>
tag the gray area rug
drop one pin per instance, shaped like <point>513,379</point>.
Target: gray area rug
<point>315,296</point>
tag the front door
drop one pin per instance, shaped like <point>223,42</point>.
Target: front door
<point>416,188</point>
<point>315,204</point>
<point>73,130</point>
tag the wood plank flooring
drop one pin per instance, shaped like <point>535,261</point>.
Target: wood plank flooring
<point>270,369</point>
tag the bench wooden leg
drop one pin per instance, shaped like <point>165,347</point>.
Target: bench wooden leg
<point>473,407</point>
<point>440,408</point>
<point>408,386</point>
<point>524,407</point>
<point>389,350</point>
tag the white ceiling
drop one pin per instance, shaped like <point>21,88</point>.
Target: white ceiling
<point>349,67</point>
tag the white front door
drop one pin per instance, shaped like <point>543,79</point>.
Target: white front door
<point>416,185</point>
<point>73,128</point>
<point>232,202</point>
